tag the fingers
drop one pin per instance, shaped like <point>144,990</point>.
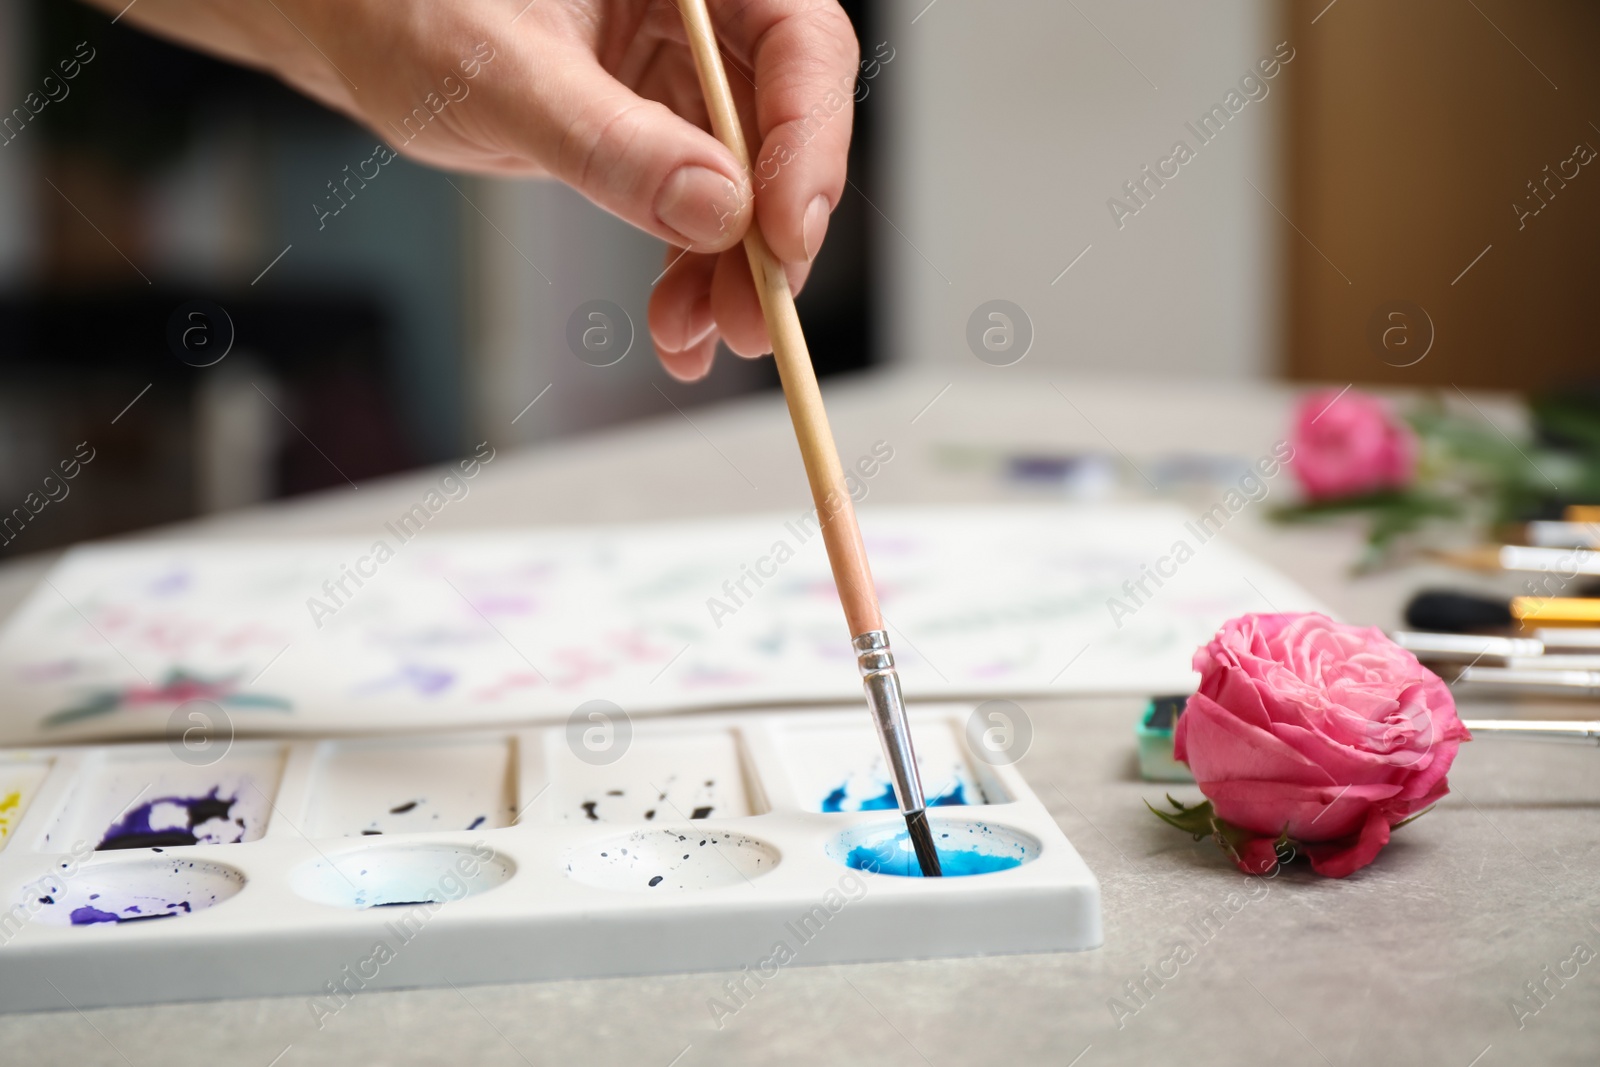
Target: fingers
<point>693,364</point>
<point>682,326</point>
<point>805,57</point>
<point>703,297</point>
<point>680,313</point>
<point>738,309</point>
<point>734,303</point>
<point>631,156</point>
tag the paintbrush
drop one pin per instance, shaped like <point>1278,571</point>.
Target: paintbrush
<point>1535,729</point>
<point>835,512</point>
<point>1528,682</point>
<point>1452,612</point>
<point>1567,562</point>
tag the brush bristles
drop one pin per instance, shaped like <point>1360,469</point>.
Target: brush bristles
<point>922,842</point>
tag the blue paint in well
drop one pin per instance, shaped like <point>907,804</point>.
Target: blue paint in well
<point>834,801</point>
<point>894,856</point>
<point>956,795</point>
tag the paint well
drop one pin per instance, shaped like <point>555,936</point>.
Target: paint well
<point>170,821</point>
<point>123,891</point>
<point>381,788</point>
<point>386,875</point>
<point>19,781</point>
<point>965,848</point>
<point>842,770</point>
<point>144,796</point>
<point>671,860</point>
<point>661,778</point>
<point>839,799</point>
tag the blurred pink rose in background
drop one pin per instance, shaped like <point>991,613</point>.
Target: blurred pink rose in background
<point>1350,445</point>
<point>1328,733</point>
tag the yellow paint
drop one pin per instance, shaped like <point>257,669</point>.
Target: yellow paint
<point>10,811</point>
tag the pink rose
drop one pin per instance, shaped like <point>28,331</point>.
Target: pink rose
<point>1329,734</point>
<point>1350,445</point>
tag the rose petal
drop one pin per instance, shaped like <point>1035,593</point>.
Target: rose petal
<point>1338,860</point>
<point>1342,762</point>
<point>1256,855</point>
<point>1222,747</point>
<point>1410,801</point>
<point>1307,813</point>
<point>1235,691</point>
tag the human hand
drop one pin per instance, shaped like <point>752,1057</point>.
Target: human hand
<point>601,94</point>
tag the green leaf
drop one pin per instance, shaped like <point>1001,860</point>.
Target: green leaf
<point>1198,820</point>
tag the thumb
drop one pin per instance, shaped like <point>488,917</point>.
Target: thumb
<point>637,159</point>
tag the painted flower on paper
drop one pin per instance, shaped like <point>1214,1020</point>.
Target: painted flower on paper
<point>1350,444</point>
<point>178,687</point>
<point>1315,734</point>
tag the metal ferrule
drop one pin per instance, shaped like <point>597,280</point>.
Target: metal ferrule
<point>882,685</point>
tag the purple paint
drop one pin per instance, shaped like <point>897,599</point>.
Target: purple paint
<point>135,830</point>
<point>85,915</point>
<point>88,916</point>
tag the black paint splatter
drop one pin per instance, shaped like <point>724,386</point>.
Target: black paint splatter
<point>656,880</point>
<point>701,813</point>
<point>401,809</point>
<point>588,809</point>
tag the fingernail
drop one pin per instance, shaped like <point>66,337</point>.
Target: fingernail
<point>698,203</point>
<point>815,225</point>
<point>701,322</point>
<point>692,364</point>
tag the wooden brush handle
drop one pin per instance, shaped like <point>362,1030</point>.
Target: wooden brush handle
<point>835,511</point>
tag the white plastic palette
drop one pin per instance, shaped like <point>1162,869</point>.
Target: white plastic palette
<point>326,867</point>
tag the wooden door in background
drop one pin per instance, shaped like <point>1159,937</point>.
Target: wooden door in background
<point>1442,157</point>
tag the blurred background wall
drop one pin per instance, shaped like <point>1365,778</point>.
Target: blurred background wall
<point>1014,124</point>
<point>1435,157</point>
<point>1021,151</point>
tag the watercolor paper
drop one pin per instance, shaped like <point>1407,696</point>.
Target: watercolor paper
<point>377,634</point>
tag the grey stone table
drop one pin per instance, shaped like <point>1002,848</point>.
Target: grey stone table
<point>1415,960</point>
